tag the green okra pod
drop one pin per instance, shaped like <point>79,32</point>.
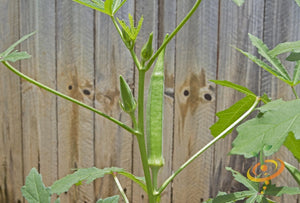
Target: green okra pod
<point>127,103</point>
<point>154,123</point>
<point>147,50</point>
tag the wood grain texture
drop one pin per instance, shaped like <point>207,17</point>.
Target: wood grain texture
<point>113,145</point>
<point>39,124</point>
<point>11,162</point>
<point>167,23</point>
<point>78,51</point>
<point>281,24</point>
<point>235,24</point>
<point>75,77</point>
<point>196,54</point>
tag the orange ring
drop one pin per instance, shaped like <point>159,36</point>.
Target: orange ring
<point>266,178</point>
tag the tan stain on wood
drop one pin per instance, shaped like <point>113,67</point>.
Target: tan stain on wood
<point>193,92</point>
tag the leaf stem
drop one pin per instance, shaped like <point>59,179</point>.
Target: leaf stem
<point>181,24</point>
<point>294,91</point>
<point>190,160</point>
<point>10,67</point>
<point>120,188</point>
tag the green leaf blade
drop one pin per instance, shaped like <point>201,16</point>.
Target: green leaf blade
<point>252,186</point>
<point>293,171</point>
<point>139,180</point>
<point>264,51</point>
<point>34,189</point>
<point>278,191</point>
<point>285,47</point>
<point>230,115</point>
<point>296,76</point>
<point>268,131</point>
<point>85,174</point>
<point>237,87</point>
<point>293,145</point>
<point>239,2</point>
<point>113,199</point>
<point>15,56</point>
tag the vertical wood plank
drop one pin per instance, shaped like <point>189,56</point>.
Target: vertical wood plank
<point>281,24</point>
<point>113,145</point>
<point>235,24</point>
<point>148,9</point>
<point>75,77</point>
<point>11,164</point>
<point>39,106</point>
<point>196,55</point>
<point>167,19</point>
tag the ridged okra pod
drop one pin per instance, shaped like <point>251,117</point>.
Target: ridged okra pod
<point>154,125</point>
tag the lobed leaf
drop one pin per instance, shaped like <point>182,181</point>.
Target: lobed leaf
<point>285,47</point>
<point>234,86</point>
<point>252,186</point>
<point>293,145</point>
<point>230,115</point>
<point>85,174</point>
<point>268,131</point>
<point>34,189</point>
<point>296,76</point>
<point>113,199</point>
<point>293,171</point>
<point>264,51</point>
<point>265,66</point>
<point>278,191</point>
<point>131,30</point>
<point>294,56</point>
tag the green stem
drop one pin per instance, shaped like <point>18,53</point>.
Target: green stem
<point>165,184</point>
<point>181,24</point>
<point>295,93</point>
<point>261,158</point>
<point>10,67</point>
<point>120,188</point>
<point>141,138</point>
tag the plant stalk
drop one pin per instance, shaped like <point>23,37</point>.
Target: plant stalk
<point>120,188</point>
<point>190,160</point>
<point>10,67</point>
<point>141,138</point>
<point>294,91</point>
<point>166,41</point>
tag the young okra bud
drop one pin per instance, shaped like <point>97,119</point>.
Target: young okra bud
<point>147,50</point>
<point>154,125</point>
<point>127,103</point>
<point>128,42</point>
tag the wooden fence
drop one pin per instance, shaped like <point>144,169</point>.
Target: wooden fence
<point>78,52</point>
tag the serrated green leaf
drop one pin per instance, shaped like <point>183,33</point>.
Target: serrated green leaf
<point>113,199</point>
<point>293,57</point>
<point>237,87</point>
<point>293,145</point>
<point>278,191</point>
<point>108,6</point>
<point>296,76</point>
<point>34,189</point>
<point>131,30</point>
<point>293,171</point>
<point>268,131</point>
<point>12,47</point>
<point>285,47</point>
<point>230,115</point>
<point>139,180</point>
<point>117,4</point>
<point>15,56</point>
<point>85,174</point>
<point>264,51</point>
<point>92,4</point>
<point>264,66</point>
<point>232,197</point>
<point>252,186</point>
<point>239,2</point>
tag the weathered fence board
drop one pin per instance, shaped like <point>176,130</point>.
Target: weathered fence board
<point>11,151</point>
<point>78,51</point>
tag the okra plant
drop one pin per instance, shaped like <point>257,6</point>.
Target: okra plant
<point>276,124</point>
